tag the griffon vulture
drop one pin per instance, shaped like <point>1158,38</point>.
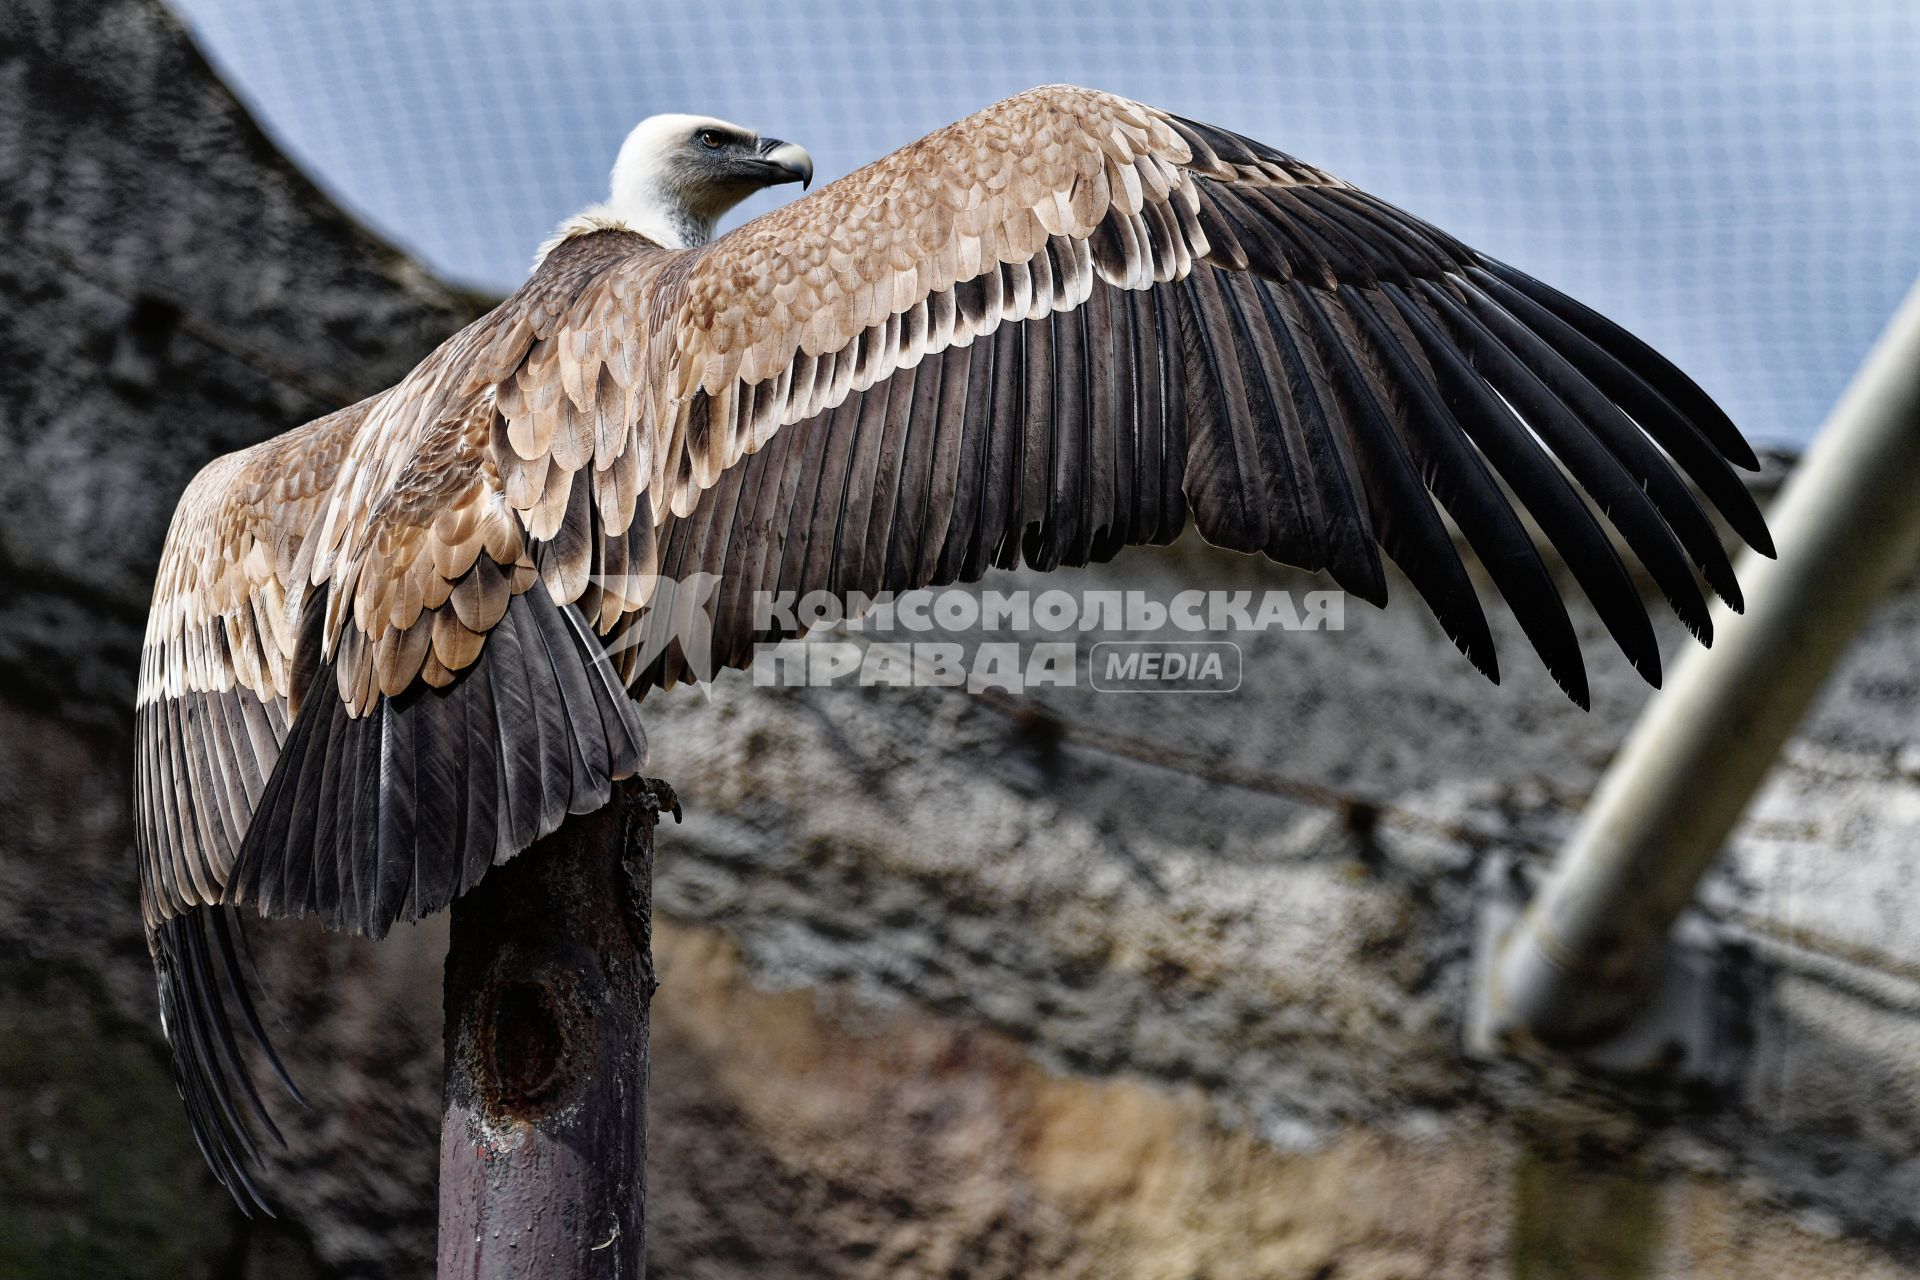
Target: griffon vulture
<point>376,663</point>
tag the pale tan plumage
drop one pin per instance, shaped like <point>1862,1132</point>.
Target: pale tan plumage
<point>1048,331</point>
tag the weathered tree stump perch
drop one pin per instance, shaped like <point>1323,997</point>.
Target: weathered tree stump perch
<point>544,1111</point>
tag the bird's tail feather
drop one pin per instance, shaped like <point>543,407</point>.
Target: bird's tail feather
<point>389,816</point>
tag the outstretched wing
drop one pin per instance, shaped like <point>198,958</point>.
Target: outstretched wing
<point>1070,322</point>
<point>217,672</point>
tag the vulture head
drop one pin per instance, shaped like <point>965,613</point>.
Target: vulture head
<point>678,173</point>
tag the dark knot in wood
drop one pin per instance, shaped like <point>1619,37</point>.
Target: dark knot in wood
<point>524,1038</point>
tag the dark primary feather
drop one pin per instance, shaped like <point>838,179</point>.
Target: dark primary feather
<point>1566,520</point>
<point>1454,470</point>
<point>1696,456</point>
<point>202,977</point>
<point>1404,519</point>
<point>1650,365</point>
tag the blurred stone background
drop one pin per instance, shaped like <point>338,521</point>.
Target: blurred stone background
<point>1056,984</point>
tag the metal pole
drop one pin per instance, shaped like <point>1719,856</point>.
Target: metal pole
<point>543,1138</point>
<point>1848,522</point>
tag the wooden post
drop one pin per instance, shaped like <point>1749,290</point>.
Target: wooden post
<point>544,1113</point>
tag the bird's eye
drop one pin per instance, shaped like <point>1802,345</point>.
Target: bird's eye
<point>709,139</point>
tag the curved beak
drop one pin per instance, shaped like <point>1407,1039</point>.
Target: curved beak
<point>787,162</point>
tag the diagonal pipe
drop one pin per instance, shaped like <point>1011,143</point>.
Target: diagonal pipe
<point>1585,953</point>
